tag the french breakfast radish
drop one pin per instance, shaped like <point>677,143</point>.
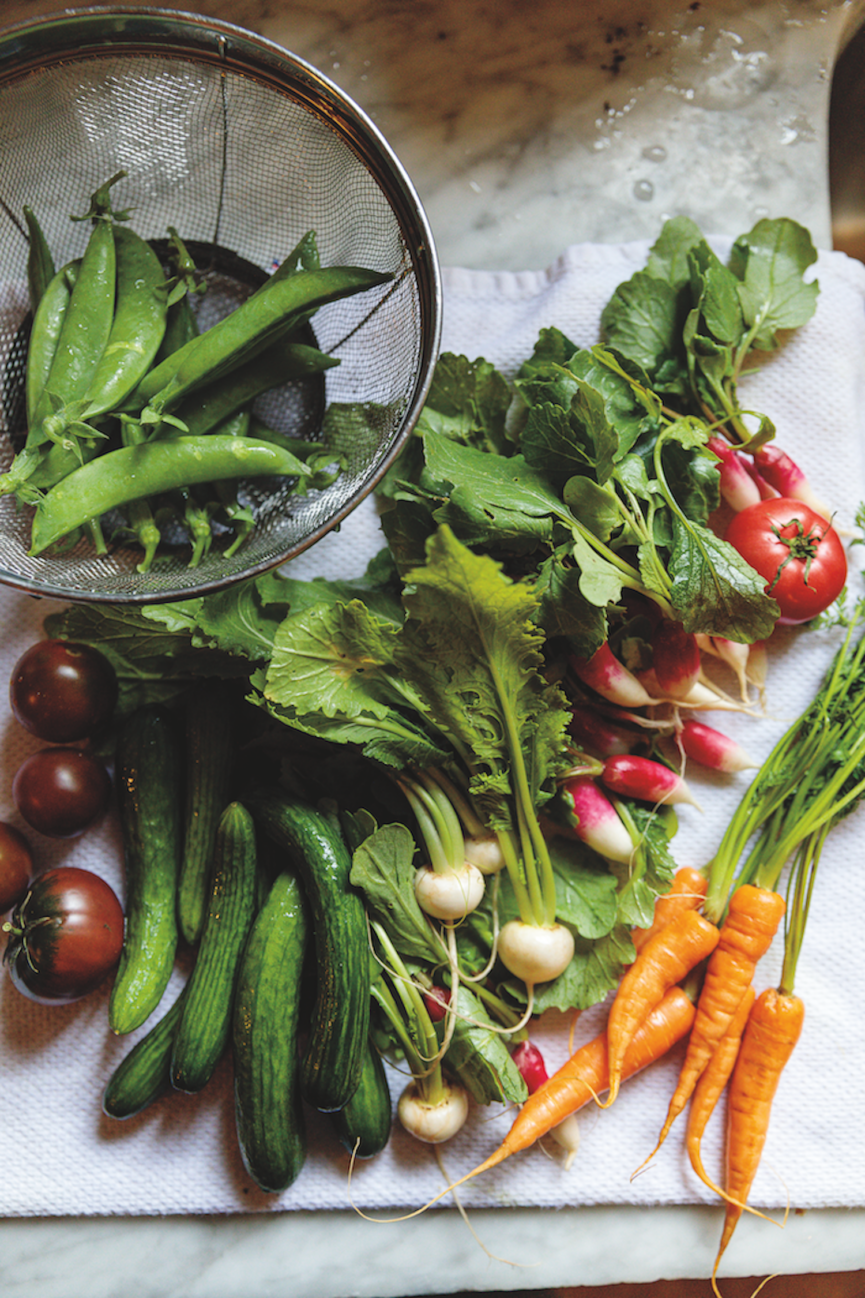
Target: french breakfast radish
<point>735,483</point>
<point>604,674</point>
<point>710,748</point>
<point>533,1071</point>
<point>782,472</point>
<point>675,659</point>
<point>646,780</point>
<point>595,820</point>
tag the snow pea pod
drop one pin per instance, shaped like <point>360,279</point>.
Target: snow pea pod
<point>40,264</point>
<point>138,325</point>
<point>285,361</point>
<point>275,308</point>
<point>48,320</point>
<point>83,335</point>
<point>151,468</point>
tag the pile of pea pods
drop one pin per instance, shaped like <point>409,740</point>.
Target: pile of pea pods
<point>133,412</point>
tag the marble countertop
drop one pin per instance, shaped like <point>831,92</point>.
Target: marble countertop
<point>525,128</point>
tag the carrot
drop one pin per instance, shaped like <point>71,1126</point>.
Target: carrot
<point>752,921</point>
<point>664,961</point>
<point>686,893</point>
<point>773,1028</point>
<point>586,1075</point>
<point>711,1085</point>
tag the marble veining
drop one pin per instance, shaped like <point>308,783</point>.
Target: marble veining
<point>525,127</point>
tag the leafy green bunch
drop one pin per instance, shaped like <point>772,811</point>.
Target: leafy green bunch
<point>591,469</point>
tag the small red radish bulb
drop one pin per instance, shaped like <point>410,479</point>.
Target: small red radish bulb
<point>610,678</point>
<point>710,748</point>
<point>783,474</point>
<point>645,780</point>
<point>533,1071</point>
<point>595,820</point>
<point>737,487</point>
<point>675,659</point>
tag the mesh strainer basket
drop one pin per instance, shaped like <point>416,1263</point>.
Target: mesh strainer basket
<point>243,148</point>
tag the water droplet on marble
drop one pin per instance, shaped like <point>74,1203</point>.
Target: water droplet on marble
<point>654,153</point>
<point>644,190</point>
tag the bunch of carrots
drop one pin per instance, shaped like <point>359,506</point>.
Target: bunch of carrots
<point>693,974</point>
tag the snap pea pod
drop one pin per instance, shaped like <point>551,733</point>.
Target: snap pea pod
<point>274,309</point>
<point>83,335</point>
<point>285,361</point>
<point>48,320</point>
<point>40,263</point>
<point>138,325</point>
<point>135,472</point>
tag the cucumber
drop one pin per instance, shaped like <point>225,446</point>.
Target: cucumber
<point>209,731</point>
<point>205,1025</point>
<point>363,1125</point>
<point>339,1026</point>
<point>145,1073</point>
<point>149,777</point>
<point>267,1103</point>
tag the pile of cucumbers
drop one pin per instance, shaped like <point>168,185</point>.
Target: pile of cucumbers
<point>130,408</point>
<point>254,887</point>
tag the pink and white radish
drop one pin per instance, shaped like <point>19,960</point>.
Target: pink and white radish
<point>735,483</point>
<point>610,678</point>
<point>675,659</point>
<point>783,474</point>
<point>595,820</point>
<point>533,1071</point>
<point>645,780</point>
<point>598,736</point>
<point>712,749</point>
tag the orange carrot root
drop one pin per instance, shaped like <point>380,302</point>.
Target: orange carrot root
<point>686,893</point>
<point>664,961</point>
<point>752,921</point>
<point>772,1031</point>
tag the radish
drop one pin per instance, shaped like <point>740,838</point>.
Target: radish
<point>449,887</point>
<point>735,655</point>
<point>535,953</point>
<point>645,780</point>
<point>675,659</point>
<point>436,999</point>
<point>485,853</point>
<point>784,475</point>
<point>533,1071</point>
<point>709,747</point>
<point>765,488</point>
<point>597,735</point>
<point>737,487</point>
<point>611,679</point>
<point>595,820</point>
<point>433,1118</point>
<point>449,894</point>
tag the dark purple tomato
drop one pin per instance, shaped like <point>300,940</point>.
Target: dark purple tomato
<point>65,937</point>
<point>60,792</point>
<point>16,866</point>
<point>62,692</point>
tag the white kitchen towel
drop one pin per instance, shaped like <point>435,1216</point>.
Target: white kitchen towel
<point>180,1156</point>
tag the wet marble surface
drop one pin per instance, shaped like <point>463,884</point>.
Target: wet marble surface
<point>525,128</point>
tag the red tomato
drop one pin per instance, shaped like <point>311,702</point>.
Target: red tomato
<point>16,866</point>
<point>62,692</point>
<point>65,937</point>
<point>798,554</point>
<point>60,792</point>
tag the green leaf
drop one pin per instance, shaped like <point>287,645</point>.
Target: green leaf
<point>669,258</point>
<point>642,320</point>
<point>468,401</point>
<point>383,867</point>
<point>578,439</point>
<point>585,889</point>
<point>714,590</point>
<point>771,261</point>
<point>600,581</point>
<point>478,1056</point>
<point>472,649</point>
<point>563,610</point>
<point>493,498</point>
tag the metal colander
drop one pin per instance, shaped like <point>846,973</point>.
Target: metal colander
<point>243,148</point>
